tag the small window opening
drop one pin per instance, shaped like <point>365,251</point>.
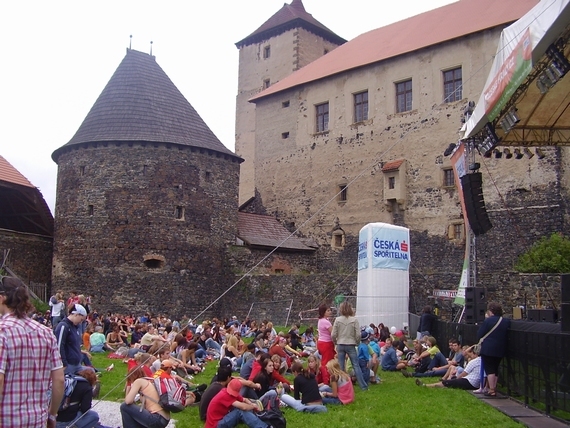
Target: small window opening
<point>284,135</point>
<point>342,195</point>
<point>266,52</point>
<point>208,175</point>
<point>285,104</point>
<point>145,169</point>
<point>279,270</point>
<point>266,83</point>
<point>90,210</point>
<point>179,213</point>
<point>391,182</point>
<point>338,240</point>
<point>82,170</point>
<point>153,263</point>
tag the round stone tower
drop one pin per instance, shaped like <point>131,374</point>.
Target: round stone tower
<point>147,199</point>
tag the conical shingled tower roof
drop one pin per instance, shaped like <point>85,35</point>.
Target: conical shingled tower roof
<point>290,16</point>
<point>140,103</point>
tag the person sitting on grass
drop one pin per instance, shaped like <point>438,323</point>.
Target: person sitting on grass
<point>97,341</point>
<point>150,413</point>
<point>469,379</point>
<point>341,389</point>
<point>455,370</point>
<point>278,348</point>
<point>457,360</point>
<point>306,390</point>
<point>419,363</point>
<point>228,408</point>
<point>390,358</point>
<point>115,337</point>
<point>433,352</point>
<point>321,373</point>
<point>78,413</point>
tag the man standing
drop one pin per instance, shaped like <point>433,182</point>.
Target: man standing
<point>29,360</point>
<point>69,339</point>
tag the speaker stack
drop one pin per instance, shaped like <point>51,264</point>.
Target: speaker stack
<point>472,186</point>
<point>565,302</point>
<point>475,305</point>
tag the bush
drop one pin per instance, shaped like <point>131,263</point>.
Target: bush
<point>548,255</point>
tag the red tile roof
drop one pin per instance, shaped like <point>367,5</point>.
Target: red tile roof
<point>392,166</point>
<point>11,175</point>
<point>290,16</point>
<point>427,29</point>
<point>265,231</point>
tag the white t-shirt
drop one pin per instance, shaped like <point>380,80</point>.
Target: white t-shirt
<point>56,308</point>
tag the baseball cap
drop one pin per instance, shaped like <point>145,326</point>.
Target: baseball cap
<point>225,362</point>
<point>79,309</point>
<point>233,387</point>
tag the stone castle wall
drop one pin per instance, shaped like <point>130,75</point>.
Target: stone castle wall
<point>29,255</point>
<point>145,226</point>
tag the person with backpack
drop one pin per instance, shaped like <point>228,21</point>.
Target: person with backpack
<point>150,413</point>
<point>75,409</point>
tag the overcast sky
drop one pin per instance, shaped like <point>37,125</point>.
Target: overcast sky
<point>59,55</point>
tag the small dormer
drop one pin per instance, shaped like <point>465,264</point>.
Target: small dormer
<point>395,184</point>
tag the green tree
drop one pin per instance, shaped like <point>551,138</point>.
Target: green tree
<point>548,255</point>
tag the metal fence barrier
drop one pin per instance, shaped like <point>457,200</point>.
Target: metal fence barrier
<point>536,369</point>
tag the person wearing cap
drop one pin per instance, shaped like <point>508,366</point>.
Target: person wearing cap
<point>69,341</point>
<point>25,376</point>
<point>228,408</point>
<point>364,356</point>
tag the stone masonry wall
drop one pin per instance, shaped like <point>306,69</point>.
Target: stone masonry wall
<point>145,226</point>
<point>29,256</point>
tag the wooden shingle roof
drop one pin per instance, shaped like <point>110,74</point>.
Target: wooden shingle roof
<point>265,231</point>
<point>290,16</point>
<point>140,103</point>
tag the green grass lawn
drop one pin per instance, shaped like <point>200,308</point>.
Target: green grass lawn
<point>397,402</point>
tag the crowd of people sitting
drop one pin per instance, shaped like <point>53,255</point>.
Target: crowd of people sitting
<point>257,365</point>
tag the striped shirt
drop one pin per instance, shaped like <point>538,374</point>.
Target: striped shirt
<point>28,355</point>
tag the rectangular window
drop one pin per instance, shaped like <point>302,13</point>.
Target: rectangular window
<point>452,85</point>
<point>342,193</point>
<point>458,231</point>
<point>391,182</point>
<point>404,96</point>
<point>179,213</point>
<point>361,106</point>
<point>82,170</point>
<point>90,210</point>
<point>285,104</point>
<point>322,117</point>
<point>284,135</point>
<point>266,52</point>
<point>448,178</point>
<point>266,83</point>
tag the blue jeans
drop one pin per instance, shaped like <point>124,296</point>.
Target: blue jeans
<point>236,416</point>
<point>89,419</point>
<point>350,350</point>
<point>133,417</point>
<point>300,407</point>
<point>331,400</point>
<point>211,343</point>
<point>438,360</point>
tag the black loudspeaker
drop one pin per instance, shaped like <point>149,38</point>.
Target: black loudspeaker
<point>472,185</point>
<point>475,305</point>
<point>565,288</point>
<point>565,317</point>
<point>541,315</point>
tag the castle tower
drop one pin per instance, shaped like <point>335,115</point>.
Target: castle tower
<point>147,199</point>
<point>287,41</point>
